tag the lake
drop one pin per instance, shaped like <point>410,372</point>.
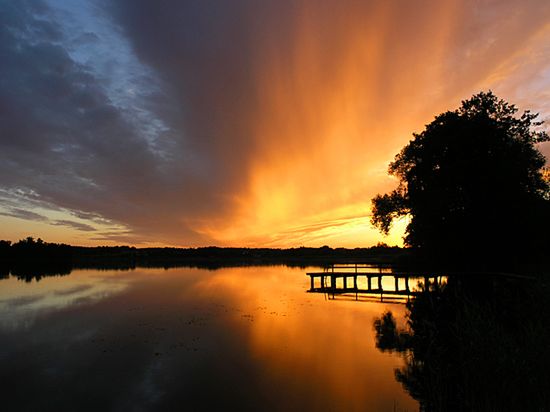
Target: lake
<point>247,338</point>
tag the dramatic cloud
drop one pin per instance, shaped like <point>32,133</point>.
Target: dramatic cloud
<point>75,225</point>
<point>23,214</point>
<point>243,122</point>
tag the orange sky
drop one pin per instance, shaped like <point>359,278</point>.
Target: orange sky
<point>301,119</point>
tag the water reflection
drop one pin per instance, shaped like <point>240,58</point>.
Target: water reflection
<point>476,344</point>
<point>237,338</point>
<point>21,303</point>
<point>30,273</point>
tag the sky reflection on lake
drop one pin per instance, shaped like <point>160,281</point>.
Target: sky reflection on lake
<point>191,339</point>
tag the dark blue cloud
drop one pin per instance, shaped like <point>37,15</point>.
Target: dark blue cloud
<point>65,135</point>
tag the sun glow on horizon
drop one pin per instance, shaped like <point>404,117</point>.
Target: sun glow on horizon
<point>268,125</point>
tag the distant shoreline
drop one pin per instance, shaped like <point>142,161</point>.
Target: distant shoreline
<point>31,258</point>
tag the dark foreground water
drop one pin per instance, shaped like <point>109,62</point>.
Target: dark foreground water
<point>191,339</point>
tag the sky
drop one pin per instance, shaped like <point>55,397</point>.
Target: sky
<point>238,123</point>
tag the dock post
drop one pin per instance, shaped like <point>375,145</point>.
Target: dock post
<point>396,283</point>
<point>312,283</point>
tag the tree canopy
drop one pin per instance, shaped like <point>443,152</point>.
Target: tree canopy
<point>471,181</point>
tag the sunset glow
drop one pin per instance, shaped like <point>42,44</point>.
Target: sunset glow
<point>243,123</point>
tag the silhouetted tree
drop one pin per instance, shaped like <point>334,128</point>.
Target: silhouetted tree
<point>471,181</point>
<point>4,249</point>
<point>5,246</point>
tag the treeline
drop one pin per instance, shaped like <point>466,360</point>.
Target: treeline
<point>30,258</point>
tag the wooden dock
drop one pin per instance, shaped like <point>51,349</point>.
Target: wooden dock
<point>367,282</point>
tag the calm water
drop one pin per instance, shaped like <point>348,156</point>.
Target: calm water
<point>191,339</point>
